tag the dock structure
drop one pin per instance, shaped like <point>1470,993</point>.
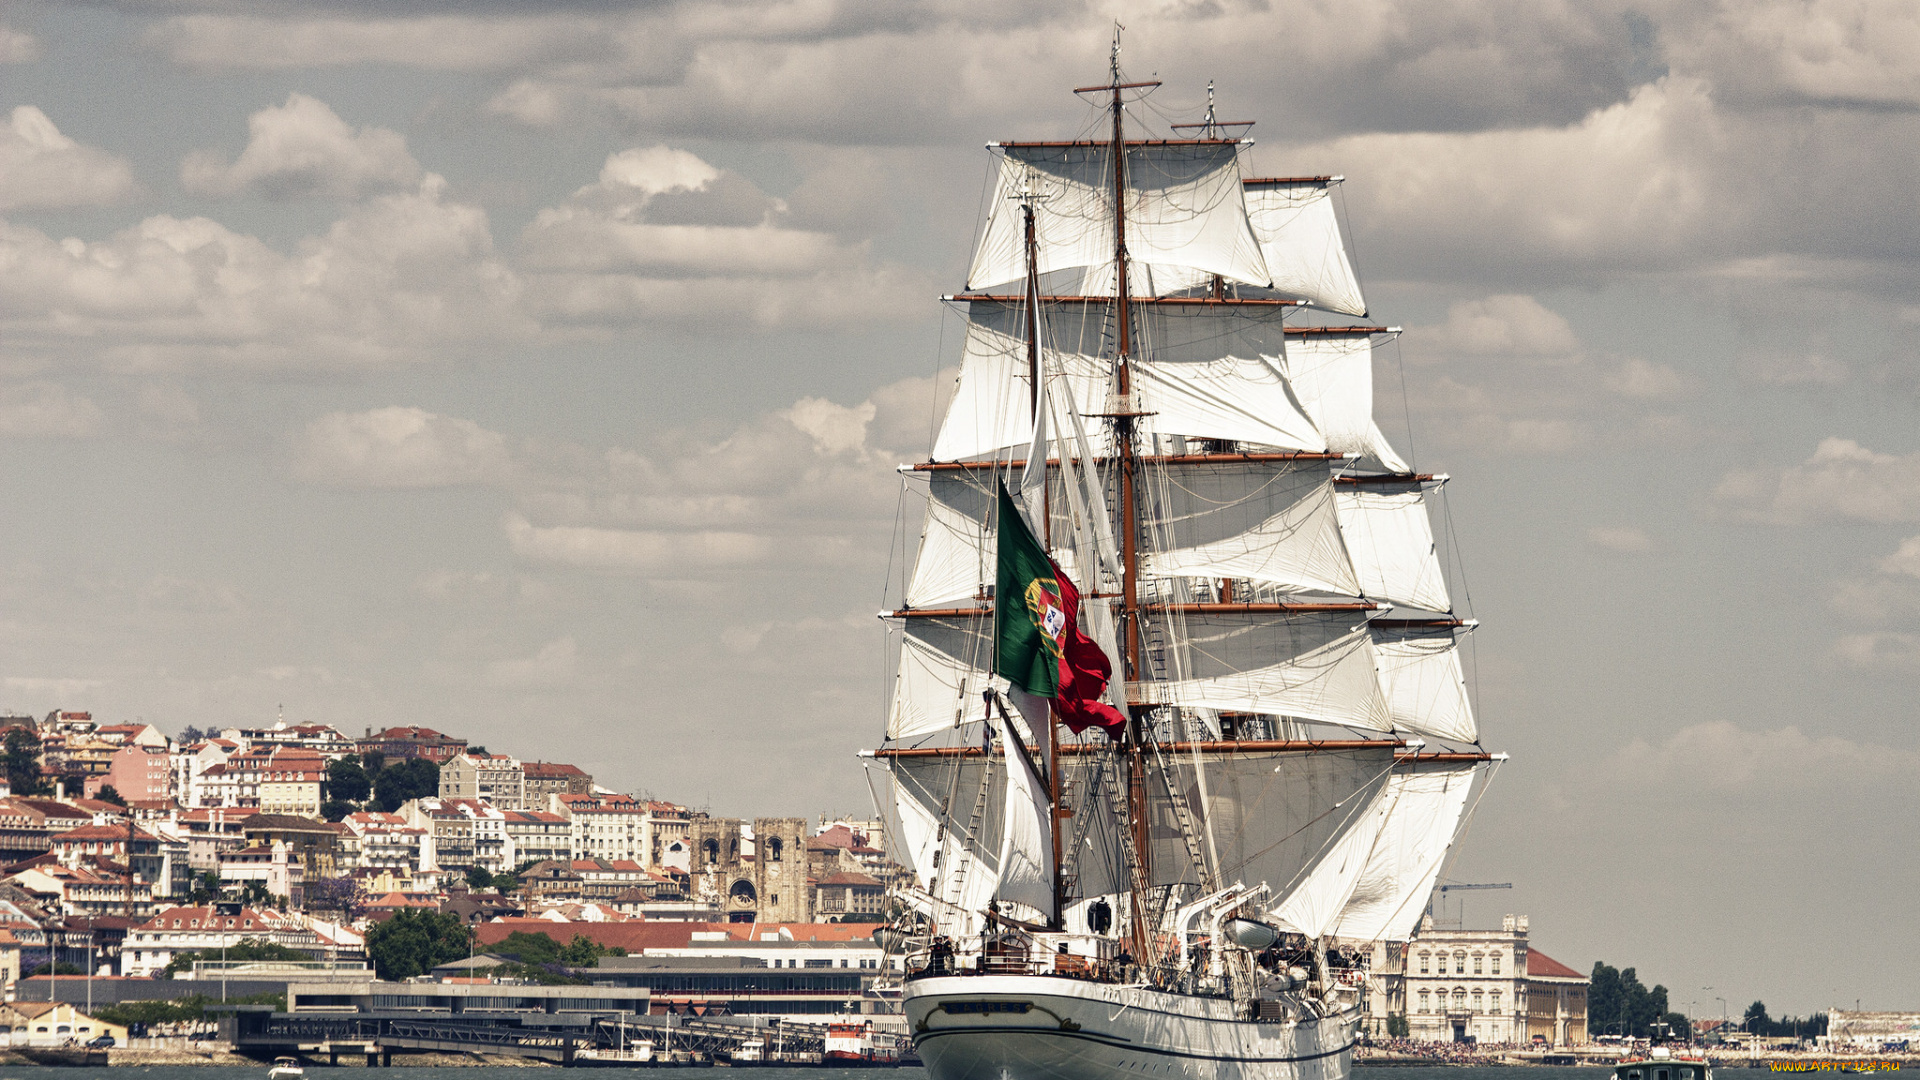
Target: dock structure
<point>372,1021</point>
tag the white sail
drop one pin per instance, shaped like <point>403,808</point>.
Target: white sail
<point>1026,841</point>
<point>956,556</point>
<point>1270,522</point>
<point>1314,903</point>
<point>1315,667</point>
<point>1425,806</point>
<point>1300,239</point>
<point>935,799</point>
<point>1269,809</point>
<point>1426,691</point>
<point>1390,540</point>
<point>1332,375</point>
<point>1196,387</point>
<point>934,692</point>
<point>1184,206</point>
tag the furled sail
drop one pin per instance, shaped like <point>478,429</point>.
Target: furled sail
<point>1212,381</point>
<point>1420,671</point>
<point>1184,206</point>
<point>1317,667</point>
<point>1026,845</point>
<point>1300,239</point>
<point>1425,806</point>
<point>1332,374</point>
<point>1390,540</point>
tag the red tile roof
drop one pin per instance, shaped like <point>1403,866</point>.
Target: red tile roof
<point>1540,965</point>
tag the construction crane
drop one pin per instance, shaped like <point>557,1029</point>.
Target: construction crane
<point>1442,890</point>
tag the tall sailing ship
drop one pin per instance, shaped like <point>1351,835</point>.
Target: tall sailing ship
<point>1156,382</point>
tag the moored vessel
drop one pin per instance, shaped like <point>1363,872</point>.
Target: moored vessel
<point>1179,726</point>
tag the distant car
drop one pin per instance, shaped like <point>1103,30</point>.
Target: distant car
<point>100,1043</point>
<point>203,1036</point>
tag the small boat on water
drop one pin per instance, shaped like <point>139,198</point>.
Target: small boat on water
<point>634,1054</point>
<point>1661,1063</point>
<point>850,1046</point>
<point>286,1068</point>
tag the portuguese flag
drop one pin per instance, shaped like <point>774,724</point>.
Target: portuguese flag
<point>1038,645</point>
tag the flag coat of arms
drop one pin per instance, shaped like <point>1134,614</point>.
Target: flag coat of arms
<point>1038,644</point>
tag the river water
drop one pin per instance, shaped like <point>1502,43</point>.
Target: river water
<point>513,1073</point>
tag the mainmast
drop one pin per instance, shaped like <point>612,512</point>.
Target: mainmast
<point>1123,417</point>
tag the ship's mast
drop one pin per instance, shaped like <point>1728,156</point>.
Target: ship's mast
<point>1123,418</point>
<point>1054,773</point>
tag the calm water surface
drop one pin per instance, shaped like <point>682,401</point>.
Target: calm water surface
<point>511,1073</point>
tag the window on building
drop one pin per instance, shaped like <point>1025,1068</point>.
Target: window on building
<point>1459,963</point>
<point>1460,997</point>
<point>1477,1002</point>
<point>1496,963</point>
<point>1423,969</point>
<point>1423,999</point>
<point>1493,1002</point>
<point>774,848</point>
<point>1478,960</point>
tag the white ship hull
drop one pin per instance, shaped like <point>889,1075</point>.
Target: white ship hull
<point>1037,1027</point>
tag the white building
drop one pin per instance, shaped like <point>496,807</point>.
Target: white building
<point>152,945</point>
<point>494,778</point>
<point>538,836</point>
<point>274,866</point>
<point>376,841</point>
<point>1489,986</point>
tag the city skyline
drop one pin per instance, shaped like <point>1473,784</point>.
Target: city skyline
<point>537,373</point>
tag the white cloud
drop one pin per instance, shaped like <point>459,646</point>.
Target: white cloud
<point>1721,756</point>
<point>639,550</point>
<point>438,42</point>
<point>17,47</point>
<point>398,447</point>
<point>554,664</point>
<point>1904,561</point>
<point>1504,325</point>
<point>663,235</point>
<point>304,149</point>
<point>1621,538</point>
<point>43,409</point>
<point>1639,377</point>
<point>400,278</point>
<point>1882,650</point>
<point>43,169</point>
<point>1842,481</point>
<point>1836,52</point>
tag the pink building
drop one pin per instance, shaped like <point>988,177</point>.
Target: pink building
<point>139,773</point>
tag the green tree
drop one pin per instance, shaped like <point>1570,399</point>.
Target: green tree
<point>347,781</point>
<point>1755,1019</point>
<point>414,778</point>
<point>478,878</point>
<point>21,759</point>
<point>206,888</point>
<point>1619,1004</point>
<point>109,793</point>
<point>64,969</point>
<point>1397,1026</point>
<point>416,941</point>
<point>336,810</point>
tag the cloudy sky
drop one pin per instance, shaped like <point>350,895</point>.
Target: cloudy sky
<point>536,372</point>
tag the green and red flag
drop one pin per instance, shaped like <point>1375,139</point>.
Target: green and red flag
<point>1038,645</point>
